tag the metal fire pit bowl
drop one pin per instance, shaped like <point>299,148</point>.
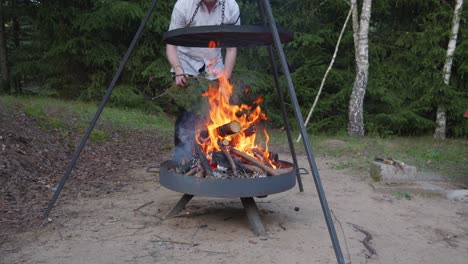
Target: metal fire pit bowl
<point>228,188</point>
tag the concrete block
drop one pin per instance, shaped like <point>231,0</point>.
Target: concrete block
<point>394,173</point>
<point>424,188</point>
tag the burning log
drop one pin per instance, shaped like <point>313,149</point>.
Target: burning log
<point>258,155</point>
<point>273,156</point>
<point>253,168</point>
<point>252,129</point>
<point>230,128</point>
<point>204,161</point>
<point>254,161</point>
<point>228,157</point>
<point>225,142</point>
<point>203,136</point>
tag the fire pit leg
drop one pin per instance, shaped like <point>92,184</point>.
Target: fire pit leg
<point>253,216</point>
<point>179,206</point>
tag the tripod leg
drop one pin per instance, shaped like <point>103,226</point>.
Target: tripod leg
<point>100,108</point>
<point>282,106</point>
<point>300,120</point>
<point>179,206</point>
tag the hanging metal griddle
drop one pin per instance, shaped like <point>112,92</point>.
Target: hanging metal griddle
<point>225,36</point>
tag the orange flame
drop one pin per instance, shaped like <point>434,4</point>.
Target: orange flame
<point>222,112</point>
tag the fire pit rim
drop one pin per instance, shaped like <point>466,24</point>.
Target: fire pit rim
<point>227,188</point>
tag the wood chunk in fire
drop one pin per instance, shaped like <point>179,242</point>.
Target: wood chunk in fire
<point>252,129</point>
<point>253,168</point>
<point>225,142</point>
<point>273,156</point>
<point>203,136</point>
<point>191,172</point>
<point>254,161</point>
<point>228,157</point>
<point>230,128</point>
<point>204,162</point>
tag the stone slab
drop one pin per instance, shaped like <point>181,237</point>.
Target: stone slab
<point>392,173</point>
<point>430,188</point>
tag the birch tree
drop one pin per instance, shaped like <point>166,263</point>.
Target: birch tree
<point>441,119</point>
<point>361,44</point>
<point>327,71</point>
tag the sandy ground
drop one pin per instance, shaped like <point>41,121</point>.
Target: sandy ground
<point>111,228</point>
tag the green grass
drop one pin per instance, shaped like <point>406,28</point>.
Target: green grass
<point>50,112</point>
<point>402,195</point>
<point>448,157</point>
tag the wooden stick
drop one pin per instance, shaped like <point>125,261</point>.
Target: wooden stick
<point>204,161</point>
<point>229,128</point>
<point>148,203</point>
<point>229,158</point>
<point>199,174</point>
<point>191,172</point>
<point>258,155</point>
<point>253,160</point>
<point>367,239</point>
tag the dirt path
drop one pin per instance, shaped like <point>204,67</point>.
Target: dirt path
<point>109,229</point>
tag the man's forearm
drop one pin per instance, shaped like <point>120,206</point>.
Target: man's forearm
<point>172,57</point>
<point>230,61</point>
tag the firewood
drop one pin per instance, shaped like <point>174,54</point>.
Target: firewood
<point>254,161</point>
<point>273,156</point>
<point>225,142</point>
<point>199,174</point>
<point>191,172</point>
<point>252,129</point>
<point>228,157</point>
<point>253,168</point>
<point>229,128</point>
<point>203,136</point>
<point>204,162</point>
<point>258,155</point>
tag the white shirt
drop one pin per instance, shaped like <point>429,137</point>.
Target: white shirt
<point>192,59</point>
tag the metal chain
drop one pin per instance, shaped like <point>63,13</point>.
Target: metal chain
<point>194,13</point>
<point>222,14</point>
<point>198,7</point>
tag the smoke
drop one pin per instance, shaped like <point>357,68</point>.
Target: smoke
<point>184,135</point>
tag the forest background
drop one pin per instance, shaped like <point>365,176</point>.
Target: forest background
<point>70,49</point>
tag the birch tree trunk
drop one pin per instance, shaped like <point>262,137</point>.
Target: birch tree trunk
<point>441,120</point>
<point>3,52</point>
<point>356,103</point>
<point>327,71</point>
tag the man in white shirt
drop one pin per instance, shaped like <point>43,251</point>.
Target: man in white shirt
<point>193,61</point>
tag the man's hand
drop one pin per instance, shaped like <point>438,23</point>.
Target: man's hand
<point>180,77</point>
